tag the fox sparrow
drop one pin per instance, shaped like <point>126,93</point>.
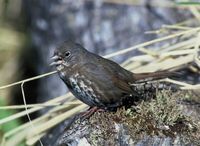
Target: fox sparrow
<point>96,81</point>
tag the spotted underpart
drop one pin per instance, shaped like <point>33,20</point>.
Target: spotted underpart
<point>82,88</point>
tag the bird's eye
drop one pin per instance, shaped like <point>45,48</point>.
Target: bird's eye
<point>67,54</point>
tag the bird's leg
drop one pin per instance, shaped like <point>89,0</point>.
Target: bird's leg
<point>90,112</point>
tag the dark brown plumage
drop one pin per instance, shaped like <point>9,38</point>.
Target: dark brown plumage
<point>94,80</point>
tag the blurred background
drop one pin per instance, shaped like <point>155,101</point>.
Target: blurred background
<point>31,29</point>
<point>12,40</point>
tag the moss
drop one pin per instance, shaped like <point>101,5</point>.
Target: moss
<point>157,117</point>
<point>103,129</point>
<point>163,110</point>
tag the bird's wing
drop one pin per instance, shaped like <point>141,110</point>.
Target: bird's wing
<point>107,75</point>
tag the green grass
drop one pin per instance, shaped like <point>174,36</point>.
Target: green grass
<point>7,126</point>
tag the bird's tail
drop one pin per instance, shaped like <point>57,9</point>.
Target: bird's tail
<point>151,76</point>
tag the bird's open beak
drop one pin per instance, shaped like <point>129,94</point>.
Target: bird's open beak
<point>56,60</point>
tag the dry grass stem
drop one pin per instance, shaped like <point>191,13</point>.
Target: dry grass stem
<point>27,80</point>
<point>152,42</point>
<point>39,105</point>
<point>176,27</point>
<point>31,110</point>
<point>33,140</point>
<point>55,120</point>
<point>162,4</point>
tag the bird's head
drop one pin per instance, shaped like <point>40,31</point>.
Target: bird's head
<point>67,55</point>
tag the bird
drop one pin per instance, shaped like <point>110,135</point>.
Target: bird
<point>97,81</point>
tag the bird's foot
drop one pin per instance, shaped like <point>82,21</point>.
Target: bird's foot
<point>90,112</point>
